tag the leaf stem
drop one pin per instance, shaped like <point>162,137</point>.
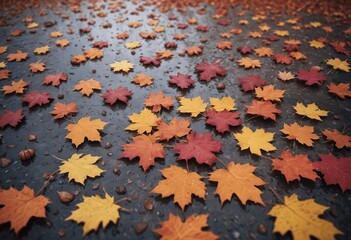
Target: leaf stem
<point>46,183</point>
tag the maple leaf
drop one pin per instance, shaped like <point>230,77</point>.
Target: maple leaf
<point>266,109</point>
<point>144,147</point>
<point>87,87</point>
<point>224,45</point>
<point>336,63</point>
<point>37,67</point>
<point>100,44</point>
<point>292,167</point>
<point>156,61</point>
<point>339,47</point>
<point>342,90</point>
<point>247,62</point>
<point>264,51</point>
<point>175,128</point>
<point>255,140</point>
<point>339,139</point>
<point>143,79</point>
<point>5,74</point>
<point>226,103</point>
<point>78,59</point>
<point>42,50</point>
<point>301,218</point>
<point>210,70</point>
<point>121,94</point>
<point>181,80</point>
<point>200,147</point>
<point>157,100</point>
<point>36,98</point>
<point>80,167</point>
<point>122,35</point>
<point>20,206</point>
<point>18,56</point>
<point>238,179</point>
<point>142,122</point>
<point>165,54</point>
<point>298,55</point>
<point>85,128</point>
<point>244,50</point>
<point>335,170</point>
<point>311,111</point>
<point>3,49</point>
<point>62,110</point>
<point>175,229</point>
<point>223,119</point>
<point>133,45</point>
<point>251,82</point>
<point>55,79</point>
<point>56,34</point>
<point>285,76</point>
<point>316,44</point>
<point>282,58</point>
<point>303,134</point>
<point>124,66</point>
<point>94,211</point>
<point>311,77</point>
<point>16,87</point>
<point>11,118</point>
<point>269,93</point>
<point>182,184</point>
<point>193,50</point>
<point>62,42</point>
<point>147,35</point>
<point>195,106</point>
<point>93,53</point>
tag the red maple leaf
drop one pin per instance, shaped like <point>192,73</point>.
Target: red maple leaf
<point>156,61</point>
<point>210,70</point>
<point>222,120</point>
<point>181,80</point>
<point>11,118</point>
<point>291,47</point>
<point>85,30</point>
<point>202,28</point>
<point>100,44</point>
<point>4,74</point>
<point>35,98</point>
<point>200,147</point>
<point>335,170</point>
<point>244,49</point>
<point>251,82</point>
<point>171,45</point>
<point>182,25</point>
<point>282,58</point>
<point>224,22</point>
<point>55,79</point>
<point>112,95</point>
<point>311,77</point>
<point>340,47</point>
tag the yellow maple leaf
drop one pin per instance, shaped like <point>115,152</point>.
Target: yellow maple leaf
<point>94,211</point>
<point>226,103</point>
<point>87,87</point>
<point>124,66</point>
<point>247,62</point>
<point>143,122</point>
<point>281,33</point>
<point>56,34</point>
<point>85,128</point>
<point>269,93</point>
<point>33,25</point>
<point>310,111</point>
<point>195,106</point>
<point>255,141</point>
<point>132,45</point>
<point>41,50</point>
<point>336,63</point>
<point>301,218</point>
<point>316,44</point>
<point>264,51</point>
<point>2,65</point>
<point>62,42</point>
<point>182,184</point>
<point>79,168</point>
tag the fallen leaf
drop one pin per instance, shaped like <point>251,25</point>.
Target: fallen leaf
<point>124,66</point>
<point>144,147</point>
<point>225,103</point>
<point>301,218</point>
<point>285,76</point>
<point>224,45</point>
<point>210,70</point>
<point>86,87</point>
<point>247,62</point>
<point>165,54</point>
<point>133,45</point>
<point>62,110</point>
<point>41,50</point>
<point>155,61</point>
<point>37,67</point>
<point>20,206</point>
<point>282,58</point>
<point>266,109</point>
<point>238,179</point>
<point>181,80</point>
<point>94,211</point>
<point>340,139</point>
<point>55,79</point>
<point>255,140</point>
<point>195,106</point>
<point>269,93</point>
<point>4,74</point>
<point>342,90</point>
<point>193,50</point>
<point>222,120</point>
<point>11,118</point>
<point>316,44</point>
<point>175,229</point>
<point>157,100</point>
<point>143,79</point>
<point>78,59</point>
<point>182,184</point>
<point>311,111</point>
<point>336,63</point>
<point>36,98</point>
<point>18,56</point>
<point>303,134</point>
<point>93,53</point>
<point>264,51</point>
<point>62,42</point>
<point>199,146</point>
<point>121,94</point>
<point>311,77</point>
<point>143,122</point>
<point>251,82</point>
<point>85,128</point>
<point>176,128</point>
<point>16,87</point>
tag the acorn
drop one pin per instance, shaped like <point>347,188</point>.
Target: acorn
<point>26,154</point>
<point>65,197</point>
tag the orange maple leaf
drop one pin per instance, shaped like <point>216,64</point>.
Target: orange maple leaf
<point>266,109</point>
<point>17,87</point>
<point>175,128</point>
<point>62,109</point>
<point>37,67</point>
<point>20,206</point>
<point>292,167</point>
<point>144,147</point>
<point>247,62</point>
<point>342,90</point>
<point>303,134</point>
<point>143,79</point>
<point>157,100</point>
<point>179,36</point>
<point>78,59</point>
<point>165,54</point>
<point>182,184</point>
<point>269,93</point>
<point>224,45</point>
<point>87,87</point>
<point>18,56</point>
<point>175,229</point>
<point>93,53</point>
<point>339,139</point>
<point>264,51</point>
<point>285,76</point>
<point>193,50</point>
<point>238,179</point>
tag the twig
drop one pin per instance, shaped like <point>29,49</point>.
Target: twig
<point>46,183</point>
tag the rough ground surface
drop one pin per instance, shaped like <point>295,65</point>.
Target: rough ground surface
<point>232,220</point>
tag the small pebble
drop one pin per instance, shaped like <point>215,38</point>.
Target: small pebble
<point>11,146</point>
<point>93,71</point>
<point>140,227</point>
<point>121,189</point>
<point>96,186</point>
<point>132,52</point>
<point>65,197</point>
<point>108,145</point>
<point>117,171</point>
<point>61,232</point>
<point>103,113</point>
<point>59,149</point>
<point>60,96</point>
<point>262,229</point>
<point>148,204</point>
<point>220,86</point>
<point>231,58</point>
<point>103,163</point>
<point>32,137</point>
<point>110,154</point>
